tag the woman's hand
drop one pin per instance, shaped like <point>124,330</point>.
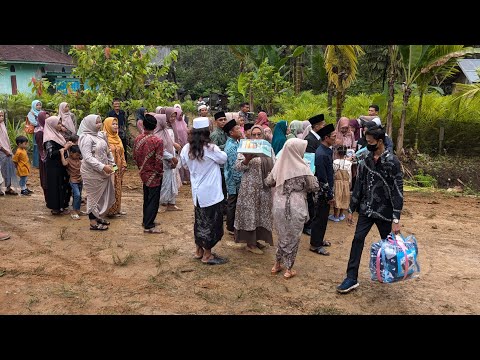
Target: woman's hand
<point>177,146</point>
<point>248,158</point>
<point>107,169</point>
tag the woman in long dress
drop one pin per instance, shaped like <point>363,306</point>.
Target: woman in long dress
<point>57,177</point>
<point>6,164</point>
<point>39,130</point>
<point>291,179</point>
<point>96,172</point>
<point>32,117</point>
<point>253,215</point>
<point>169,189</point>
<point>110,127</point>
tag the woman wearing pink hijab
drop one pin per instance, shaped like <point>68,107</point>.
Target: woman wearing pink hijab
<point>262,119</point>
<point>182,139</point>
<point>344,136</point>
<point>67,120</point>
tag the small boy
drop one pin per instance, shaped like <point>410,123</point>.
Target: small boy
<point>73,163</point>
<point>22,164</point>
<point>73,138</point>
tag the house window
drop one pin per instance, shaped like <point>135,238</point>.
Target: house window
<point>63,69</point>
<point>12,68</point>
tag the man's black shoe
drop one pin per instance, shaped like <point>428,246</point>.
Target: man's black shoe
<point>307,231</point>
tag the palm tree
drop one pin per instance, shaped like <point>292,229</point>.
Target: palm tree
<point>341,63</point>
<point>393,67</point>
<point>422,59</point>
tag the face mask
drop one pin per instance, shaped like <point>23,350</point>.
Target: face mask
<point>372,147</point>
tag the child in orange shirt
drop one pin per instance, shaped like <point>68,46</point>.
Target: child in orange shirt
<point>22,164</point>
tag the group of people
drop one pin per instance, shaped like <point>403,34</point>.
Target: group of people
<point>300,200</point>
<point>254,193</point>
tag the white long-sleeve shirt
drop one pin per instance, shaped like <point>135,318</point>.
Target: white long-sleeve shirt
<point>205,174</point>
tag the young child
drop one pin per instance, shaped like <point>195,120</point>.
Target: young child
<point>342,168</point>
<point>73,163</point>
<point>73,138</point>
<point>22,163</point>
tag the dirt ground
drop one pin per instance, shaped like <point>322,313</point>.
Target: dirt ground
<point>55,265</point>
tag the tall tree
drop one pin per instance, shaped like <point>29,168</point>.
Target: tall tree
<point>341,64</point>
<point>418,60</point>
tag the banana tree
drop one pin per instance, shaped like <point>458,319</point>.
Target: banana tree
<point>423,59</point>
<point>393,65</point>
<point>341,63</point>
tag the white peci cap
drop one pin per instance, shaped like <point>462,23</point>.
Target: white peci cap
<point>201,122</point>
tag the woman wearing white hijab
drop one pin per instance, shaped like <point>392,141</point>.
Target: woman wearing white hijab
<point>68,122</point>
<point>96,170</point>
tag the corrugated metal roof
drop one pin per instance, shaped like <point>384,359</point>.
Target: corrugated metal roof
<point>33,53</point>
<point>469,68</point>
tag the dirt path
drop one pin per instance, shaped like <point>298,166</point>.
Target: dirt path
<point>55,265</point>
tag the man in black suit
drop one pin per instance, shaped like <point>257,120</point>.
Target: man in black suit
<point>313,139</point>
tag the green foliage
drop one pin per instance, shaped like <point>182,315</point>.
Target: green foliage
<point>424,180</point>
<point>124,71</point>
<point>265,83</point>
<point>15,129</point>
<point>301,107</point>
<point>203,69</point>
<point>315,73</point>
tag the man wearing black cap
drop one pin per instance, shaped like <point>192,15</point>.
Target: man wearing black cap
<point>324,173</point>
<point>248,130</point>
<point>232,176</point>
<point>317,122</point>
<point>148,155</point>
<point>219,138</point>
<point>313,139</point>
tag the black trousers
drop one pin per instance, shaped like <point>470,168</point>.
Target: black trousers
<point>311,211</point>
<point>319,222</point>
<point>151,202</point>
<point>231,207</point>
<point>224,190</point>
<point>364,225</point>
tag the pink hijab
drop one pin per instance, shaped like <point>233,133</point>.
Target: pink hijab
<point>4,140</point>
<point>291,164</point>
<point>50,131</point>
<point>66,117</point>
<point>168,111</point>
<point>181,125</point>
<point>262,119</point>
<point>347,140</point>
<point>161,132</point>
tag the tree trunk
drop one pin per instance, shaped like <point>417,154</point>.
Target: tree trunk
<point>330,98</point>
<point>401,130</point>
<point>391,98</point>
<point>298,74</point>
<point>250,99</point>
<point>340,98</point>
<point>419,110</point>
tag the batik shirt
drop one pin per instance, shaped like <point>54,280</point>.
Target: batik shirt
<point>233,178</point>
<point>378,191</point>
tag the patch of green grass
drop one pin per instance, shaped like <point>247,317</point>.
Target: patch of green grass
<point>163,255</point>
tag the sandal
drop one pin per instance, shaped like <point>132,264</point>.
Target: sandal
<point>153,230</point>
<point>321,251</point>
<point>276,270</point>
<point>11,192</point>
<point>75,217</point>
<point>326,243</point>
<point>103,222</point>
<point>289,274</point>
<point>100,227</point>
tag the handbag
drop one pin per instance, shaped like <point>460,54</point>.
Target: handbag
<point>394,258</point>
<point>28,127</point>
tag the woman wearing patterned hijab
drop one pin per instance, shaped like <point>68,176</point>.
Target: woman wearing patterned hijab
<point>67,120</point>
<point>110,127</point>
<point>96,172</point>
